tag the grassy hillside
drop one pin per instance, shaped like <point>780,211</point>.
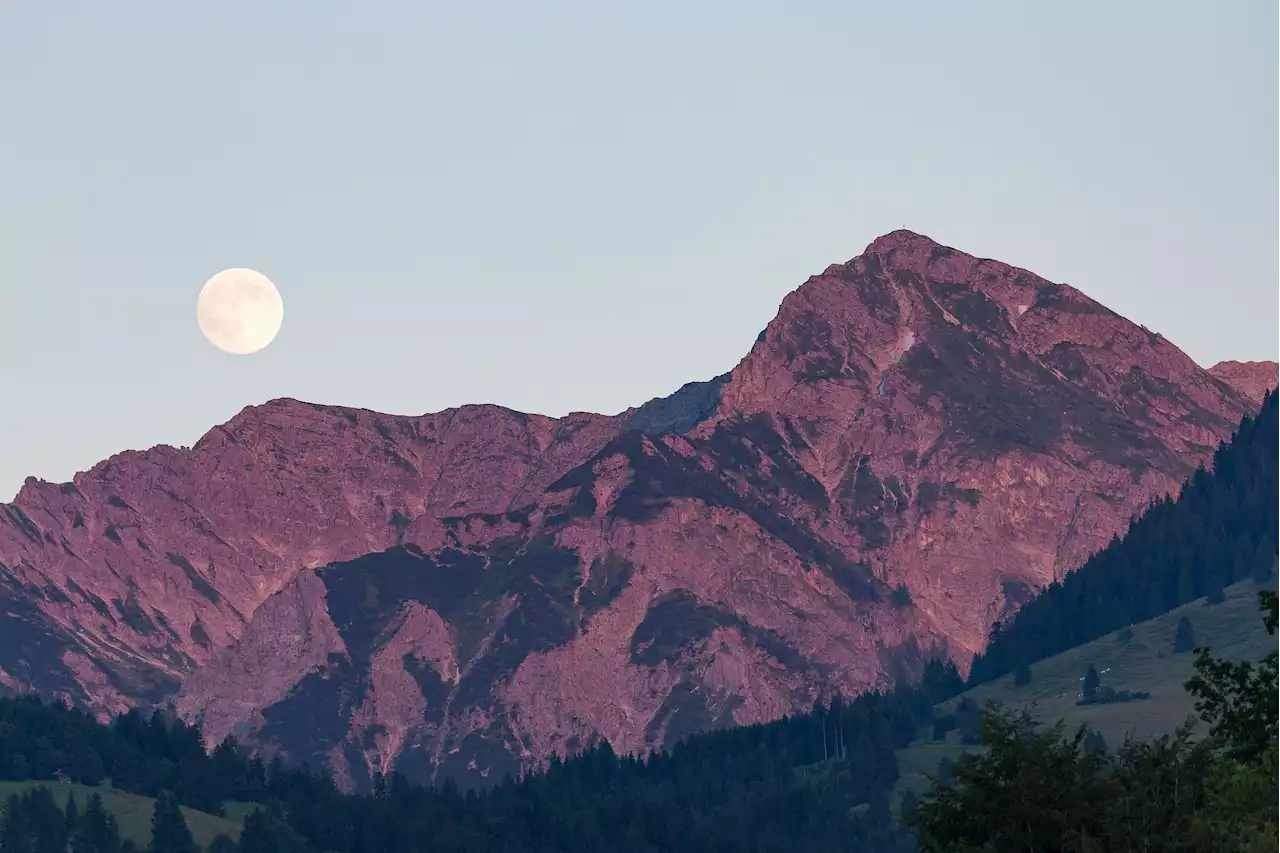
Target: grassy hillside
<point>1144,661</point>
<point>133,813</point>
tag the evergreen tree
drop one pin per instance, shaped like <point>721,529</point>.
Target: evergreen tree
<point>14,834</point>
<point>221,843</point>
<point>169,832</point>
<point>72,811</point>
<point>95,830</point>
<point>266,833</point>
<point>1091,683</point>
<point>1184,639</point>
<point>969,721</point>
<point>1022,674</point>
<point>945,777</point>
<point>47,822</point>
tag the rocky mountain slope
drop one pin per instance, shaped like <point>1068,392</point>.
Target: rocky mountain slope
<point>1251,378</point>
<point>918,440</point>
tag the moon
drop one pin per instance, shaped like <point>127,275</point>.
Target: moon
<point>240,311</point>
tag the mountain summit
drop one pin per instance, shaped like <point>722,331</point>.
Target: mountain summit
<point>917,441</point>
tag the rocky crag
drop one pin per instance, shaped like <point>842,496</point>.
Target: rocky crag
<point>1251,378</point>
<point>918,441</point>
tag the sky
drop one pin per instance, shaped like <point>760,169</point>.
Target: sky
<point>578,206</point>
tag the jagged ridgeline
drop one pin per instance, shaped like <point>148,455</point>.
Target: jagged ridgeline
<point>1221,528</point>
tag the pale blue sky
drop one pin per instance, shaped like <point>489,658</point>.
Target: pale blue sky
<point>566,206</point>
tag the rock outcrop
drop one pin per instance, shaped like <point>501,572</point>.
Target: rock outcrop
<point>917,442</point>
<point>1251,378</point>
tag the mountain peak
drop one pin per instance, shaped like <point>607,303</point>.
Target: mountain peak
<point>901,239</point>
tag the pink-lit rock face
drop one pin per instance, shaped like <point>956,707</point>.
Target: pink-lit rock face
<point>1251,378</point>
<point>918,441</point>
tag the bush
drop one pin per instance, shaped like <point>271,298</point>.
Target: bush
<point>1111,696</point>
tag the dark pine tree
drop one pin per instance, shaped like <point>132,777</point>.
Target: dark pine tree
<point>95,830</point>
<point>969,721</point>
<point>13,828</point>
<point>222,844</point>
<point>945,777</point>
<point>169,832</point>
<point>1184,640</point>
<point>1092,681</point>
<point>1022,674</point>
<point>265,832</point>
<point>48,822</point>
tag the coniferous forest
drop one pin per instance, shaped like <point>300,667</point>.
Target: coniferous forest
<point>824,777</point>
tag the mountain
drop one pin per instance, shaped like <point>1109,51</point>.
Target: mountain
<point>918,441</point>
<point>1251,378</point>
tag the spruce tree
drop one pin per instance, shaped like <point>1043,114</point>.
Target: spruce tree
<point>266,833</point>
<point>13,831</point>
<point>169,832</point>
<point>48,825</point>
<point>222,843</point>
<point>945,777</point>
<point>1091,682</point>
<point>1021,674</point>
<point>95,830</point>
<point>1184,641</point>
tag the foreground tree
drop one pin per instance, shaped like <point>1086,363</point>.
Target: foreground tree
<point>1240,807</point>
<point>1030,791</point>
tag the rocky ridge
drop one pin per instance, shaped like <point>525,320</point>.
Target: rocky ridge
<point>1251,378</point>
<point>916,442</point>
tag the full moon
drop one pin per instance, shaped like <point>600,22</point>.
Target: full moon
<point>239,311</point>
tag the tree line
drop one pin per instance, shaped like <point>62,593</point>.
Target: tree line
<point>825,776</point>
